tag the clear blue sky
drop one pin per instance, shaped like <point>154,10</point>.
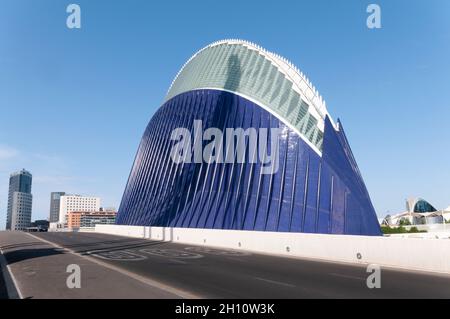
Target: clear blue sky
<point>74,103</point>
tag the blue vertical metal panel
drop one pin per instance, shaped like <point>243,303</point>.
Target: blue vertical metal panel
<point>309,193</point>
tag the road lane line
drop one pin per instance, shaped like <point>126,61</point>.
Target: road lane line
<point>275,282</point>
<point>347,276</point>
<point>145,280</point>
<point>12,288</point>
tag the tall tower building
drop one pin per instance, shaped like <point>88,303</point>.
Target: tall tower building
<point>20,201</point>
<point>55,200</point>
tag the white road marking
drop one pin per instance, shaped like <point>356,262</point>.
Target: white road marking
<point>12,286</point>
<point>219,252</point>
<point>347,276</point>
<point>171,253</point>
<point>121,255</point>
<point>275,282</point>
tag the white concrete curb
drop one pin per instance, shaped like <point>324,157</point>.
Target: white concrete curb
<point>10,282</point>
<point>419,254</point>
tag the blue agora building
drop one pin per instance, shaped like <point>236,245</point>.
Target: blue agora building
<point>317,187</point>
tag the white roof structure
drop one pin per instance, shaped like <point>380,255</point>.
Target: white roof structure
<point>418,208</point>
<point>247,69</point>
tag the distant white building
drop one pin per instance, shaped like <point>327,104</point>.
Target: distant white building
<point>77,203</point>
<point>418,212</point>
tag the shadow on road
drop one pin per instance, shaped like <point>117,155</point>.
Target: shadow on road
<point>13,246</point>
<point>25,254</point>
<point>91,244</point>
<point>101,243</point>
<point>121,247</point>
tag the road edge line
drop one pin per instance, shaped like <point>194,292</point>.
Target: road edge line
<point>142,279</point>
<point>12,288</point>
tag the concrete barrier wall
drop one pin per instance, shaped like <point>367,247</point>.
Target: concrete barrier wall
<point>432,228</point>
<point>85,229</point>
<point>128,231</point>
<point>408,253</point>
<point>431,235</point>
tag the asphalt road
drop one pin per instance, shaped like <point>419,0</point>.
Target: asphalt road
<point>216,273</point>
<point>40,271</point>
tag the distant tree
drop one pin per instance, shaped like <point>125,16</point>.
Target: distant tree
<point>400,230</point>
<point>414,230</point>
<point>404,222</point>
